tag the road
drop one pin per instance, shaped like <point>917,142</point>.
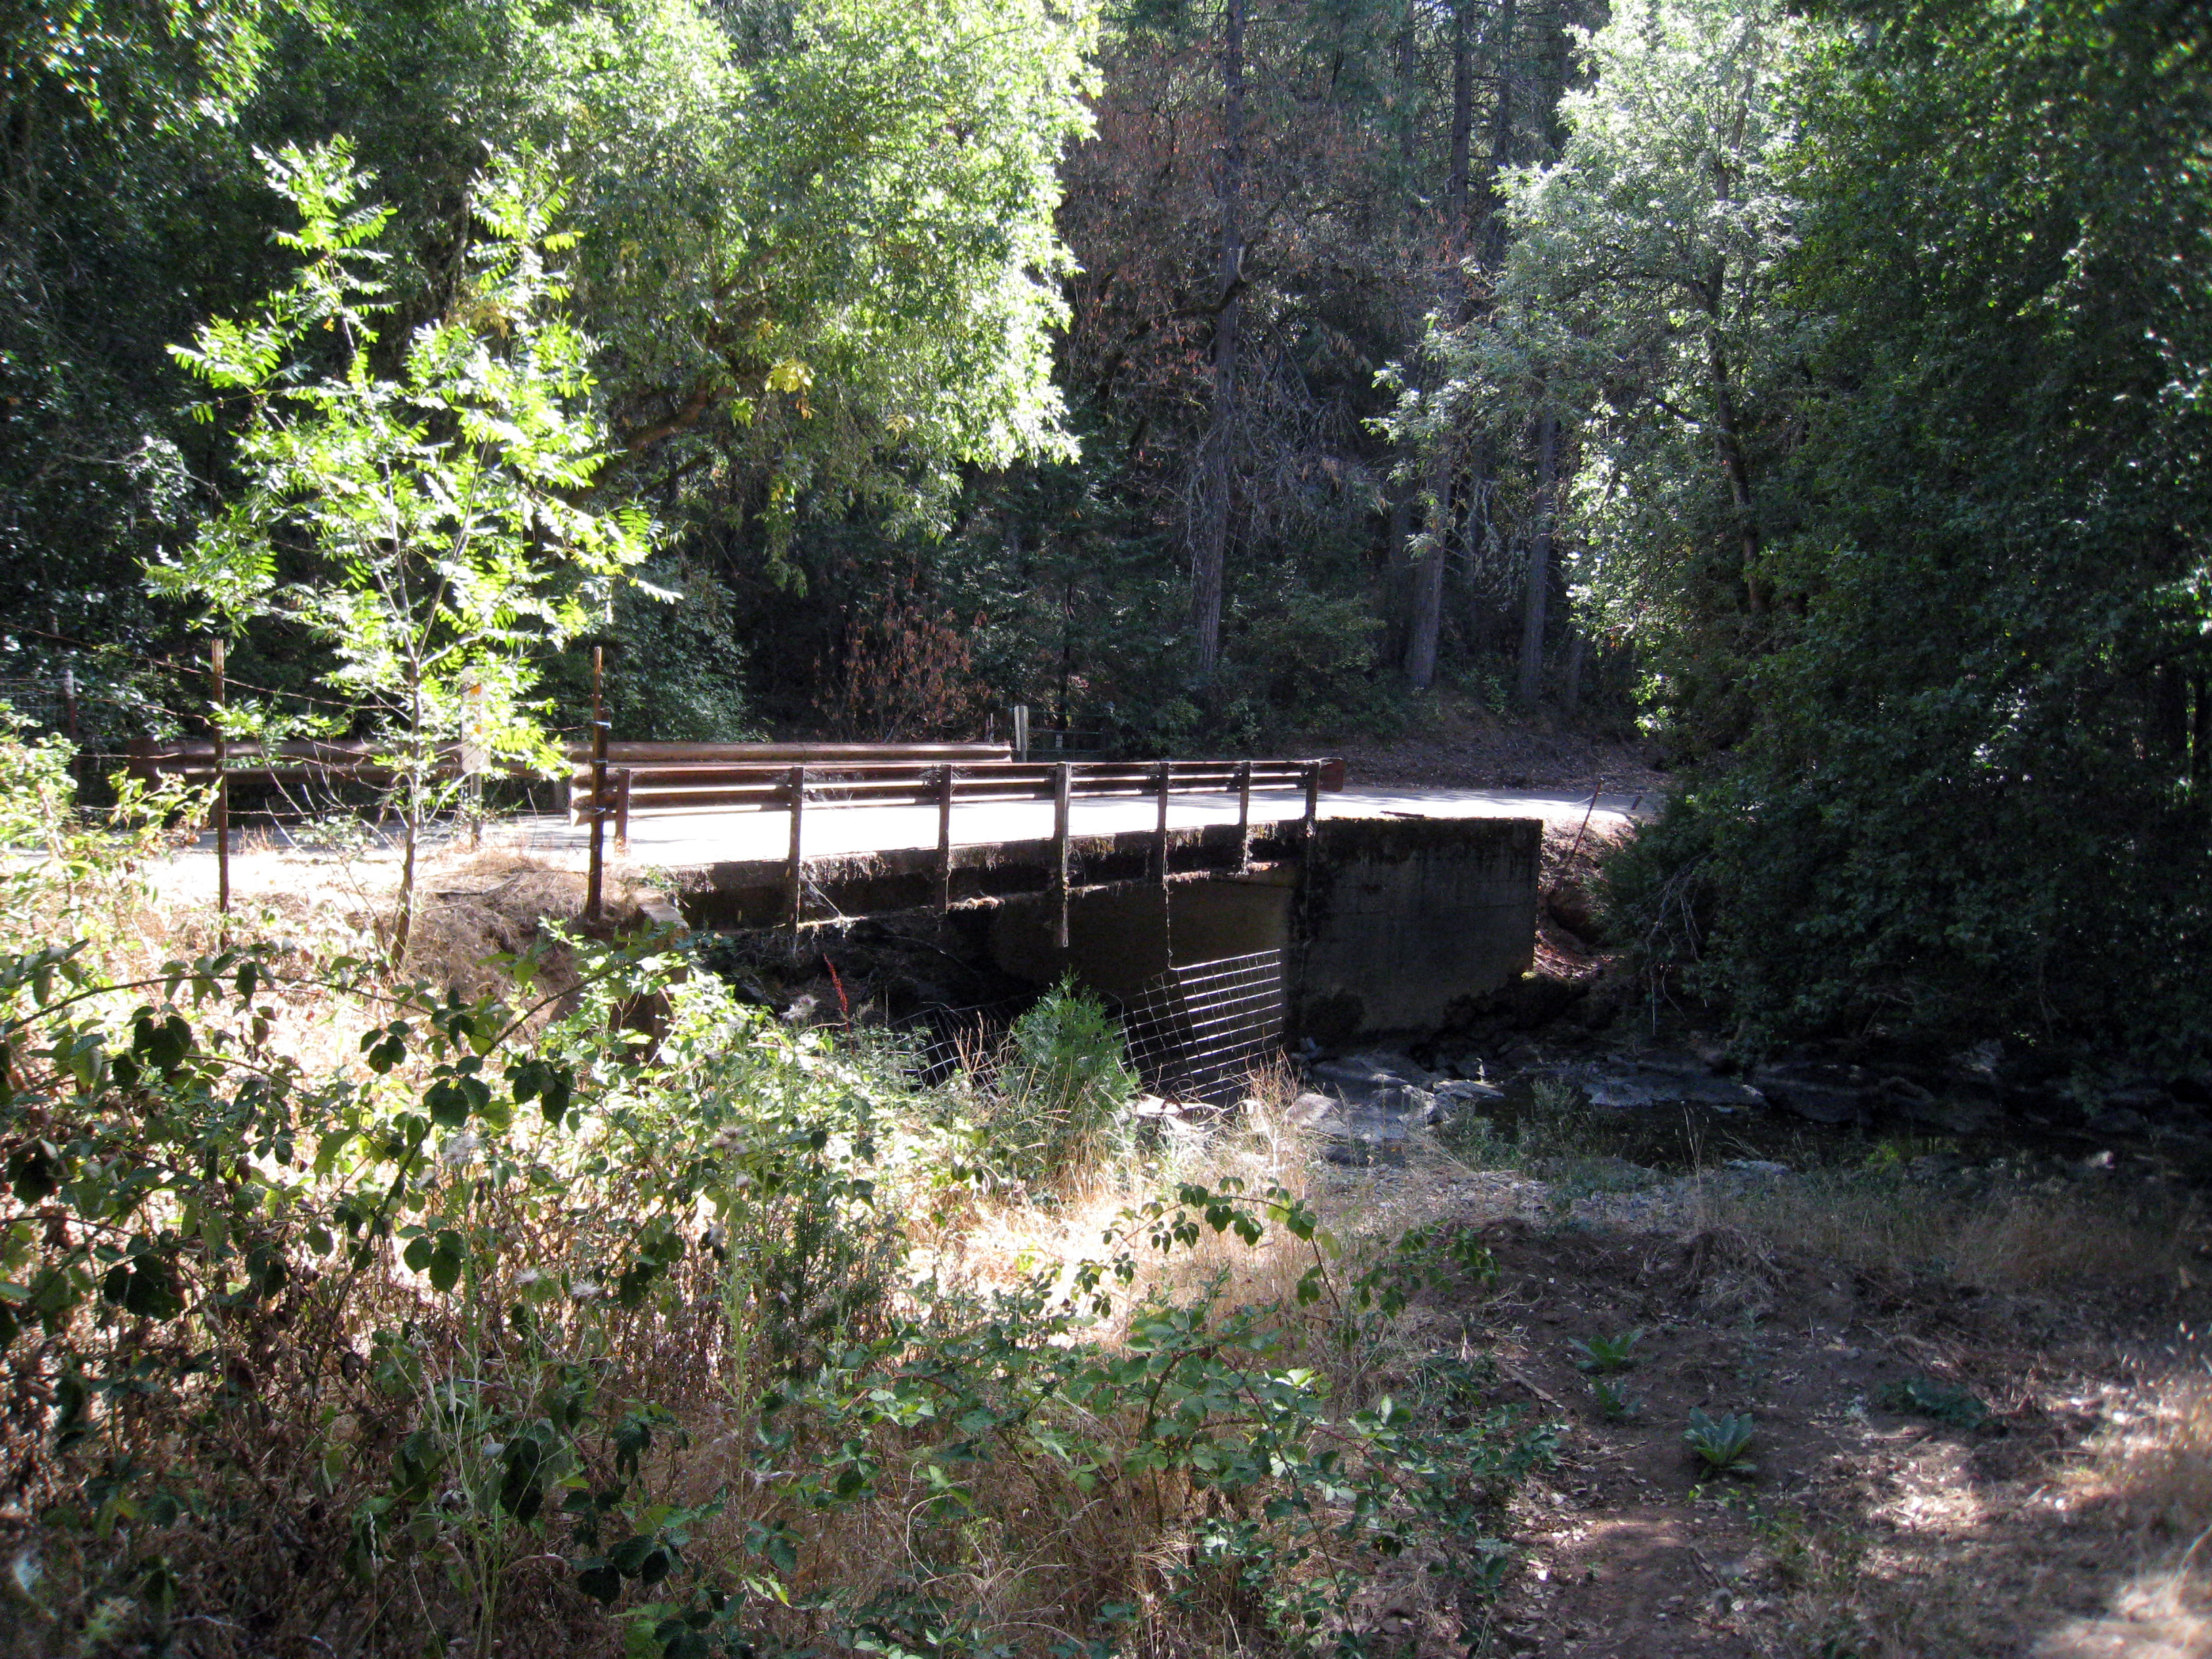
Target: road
<point>692,839</point>
<point>267,859</point>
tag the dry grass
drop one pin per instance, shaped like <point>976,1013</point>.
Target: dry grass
<point>2009,1241</point>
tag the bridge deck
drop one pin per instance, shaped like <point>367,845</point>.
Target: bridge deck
<point>692,840</point>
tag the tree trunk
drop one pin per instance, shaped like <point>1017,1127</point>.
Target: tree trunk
<point>1728,441</point>
<point>1209,557</point>
<point>2200,736</point>
<point>1426,624</point>
<point>1538,599</point>
<point>1462,124</point>
<point>1490,241</point>
<point>1474,532</point>
<point>1409,94</point>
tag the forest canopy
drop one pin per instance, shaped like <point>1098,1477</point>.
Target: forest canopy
<point>1815,392</point>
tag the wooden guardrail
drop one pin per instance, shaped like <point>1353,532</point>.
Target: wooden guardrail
<point>749,785</point>
<point>704,787</point>
<point>304,761</point>
<point>348,760</point>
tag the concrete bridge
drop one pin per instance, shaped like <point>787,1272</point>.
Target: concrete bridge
<point>1392,912</point>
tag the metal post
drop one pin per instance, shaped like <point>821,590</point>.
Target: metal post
<point>595,890</point>
<point>797,894</point>
<point>1243,816</point>
<point>1021,730</point>
<point>945,839</point>
<point>1161,780</point>
<point>221,792</point>
<point>1060,779</point>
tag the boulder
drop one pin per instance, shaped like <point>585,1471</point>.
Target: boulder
<point>1335,1120</point>
<point>1628,1085</point>
<point>1820,1091</point>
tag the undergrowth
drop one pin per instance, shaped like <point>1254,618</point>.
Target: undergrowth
<point>603,1313</point>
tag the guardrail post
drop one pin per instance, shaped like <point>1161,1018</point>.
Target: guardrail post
<point>796,893</point>
<point>945,840</point>
<point>594,886</point>
<point>622,808</point>
<point>1313,801</point>
<point>222,793</point>
<point>1161,781</point>
<point>1244,816</point>
<point>1062,776</point>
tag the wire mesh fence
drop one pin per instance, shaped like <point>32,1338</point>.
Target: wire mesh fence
<point>1199,1032</point>
<point>1196,1032</point>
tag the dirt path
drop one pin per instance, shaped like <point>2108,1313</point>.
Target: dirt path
<point>1868,1525</point>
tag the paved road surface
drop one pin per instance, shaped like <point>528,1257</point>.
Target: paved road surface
<point>691,839</point>
<point>684,840</point>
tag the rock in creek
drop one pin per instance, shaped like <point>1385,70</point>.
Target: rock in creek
<point>1818,1090</point>
<point>1659,1080</point>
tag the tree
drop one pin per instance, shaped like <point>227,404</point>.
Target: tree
<point>1641,303</point>
<point>435,530</point>
<point>1966,795</point>
<point>1210,552</point>
<point>819,254</point>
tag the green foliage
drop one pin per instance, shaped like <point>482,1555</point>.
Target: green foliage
<point>501,1237</point>
<point>1968,797</point>
<point>1721,1443</point>
<point>1613,1401</point>
<point>1942,1402</point>
<point>424,528</point>
<point>61,874</point>
<point>1605,1356</point>
<point>1061,1089</point>
<point>433,531</point>
<point>1642,301</point>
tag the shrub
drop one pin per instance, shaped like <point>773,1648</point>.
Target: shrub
<point>527,1308</point>
<point>1061,1087</point>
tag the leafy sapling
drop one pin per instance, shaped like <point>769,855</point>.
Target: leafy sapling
<point>1613,1401</point>
<point>439,530</point>
<point>1721,1442</point>
<point>1607,1356</point>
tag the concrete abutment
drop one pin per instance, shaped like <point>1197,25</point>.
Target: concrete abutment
<point>1387,928</point>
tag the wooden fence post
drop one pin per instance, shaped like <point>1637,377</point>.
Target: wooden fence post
<point>1062,776</point>
<point>797,892</point>
<point>1161,782</point>
<point>222,799</point>
<point>1243,816</point>
<point>594,891</point>
<point>945,840</point>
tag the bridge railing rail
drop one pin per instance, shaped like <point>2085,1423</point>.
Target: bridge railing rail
<point>668,787</point>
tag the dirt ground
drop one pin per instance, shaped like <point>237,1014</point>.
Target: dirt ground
<point>2064,1524</point>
